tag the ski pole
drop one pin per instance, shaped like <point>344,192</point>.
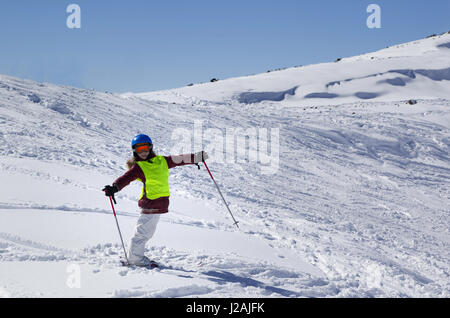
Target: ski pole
<point>114,211</point>
<point>220,192</point>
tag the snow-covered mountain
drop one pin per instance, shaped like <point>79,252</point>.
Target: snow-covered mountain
<point>342,189</point>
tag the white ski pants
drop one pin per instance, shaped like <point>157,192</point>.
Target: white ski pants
<point>145,228</point>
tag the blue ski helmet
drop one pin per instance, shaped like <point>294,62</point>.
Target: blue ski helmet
<point>141,139</point>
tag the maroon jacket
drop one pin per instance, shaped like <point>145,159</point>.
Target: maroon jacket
<point>160,205</point>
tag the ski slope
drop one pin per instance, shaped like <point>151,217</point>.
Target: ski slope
<point>356,204</point>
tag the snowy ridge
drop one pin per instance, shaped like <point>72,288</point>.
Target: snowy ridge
<point>358,206</point>
<point>385,75</point>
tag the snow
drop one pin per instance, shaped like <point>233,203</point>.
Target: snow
<point>357,203</point>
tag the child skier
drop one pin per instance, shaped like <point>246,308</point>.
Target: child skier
<point>153,171</point>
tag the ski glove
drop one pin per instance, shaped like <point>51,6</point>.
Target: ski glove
<point>200,156</point>
<point>110,190</point>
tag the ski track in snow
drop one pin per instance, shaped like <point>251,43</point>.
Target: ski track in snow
<point>229,274</point>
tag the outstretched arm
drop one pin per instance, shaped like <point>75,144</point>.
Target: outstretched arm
<point>186,159</point>
<point>132,174</point>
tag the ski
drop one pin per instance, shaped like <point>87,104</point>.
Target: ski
<point>152,265</point>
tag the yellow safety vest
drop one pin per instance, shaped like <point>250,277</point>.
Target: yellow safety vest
<point>156,172</point>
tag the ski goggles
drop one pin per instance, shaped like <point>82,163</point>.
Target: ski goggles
<point>142,148</point>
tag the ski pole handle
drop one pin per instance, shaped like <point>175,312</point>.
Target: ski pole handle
<point>114,199</point>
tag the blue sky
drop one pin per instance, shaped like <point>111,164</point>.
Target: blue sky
<point>145,45</point>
